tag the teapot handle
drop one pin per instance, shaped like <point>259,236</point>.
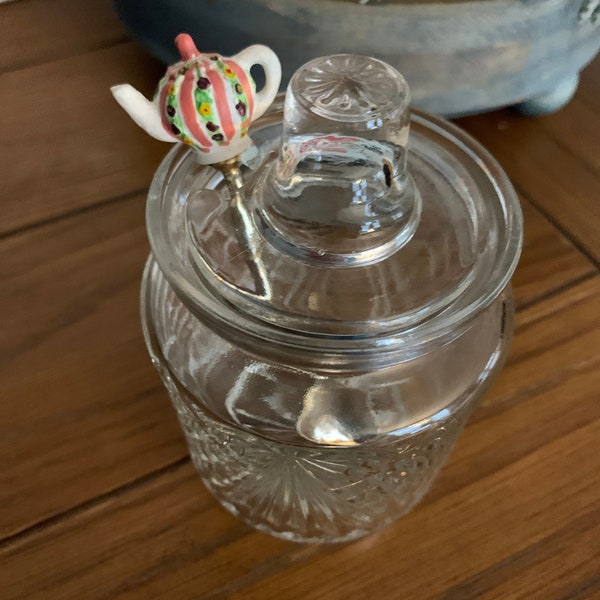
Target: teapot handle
<point>267,59</point>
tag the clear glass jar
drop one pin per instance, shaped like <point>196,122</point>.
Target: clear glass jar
<point>324,346</point>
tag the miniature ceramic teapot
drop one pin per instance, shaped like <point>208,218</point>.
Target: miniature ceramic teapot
<point>205,100</point>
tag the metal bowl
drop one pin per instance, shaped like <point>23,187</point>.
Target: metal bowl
<point>459,57</point>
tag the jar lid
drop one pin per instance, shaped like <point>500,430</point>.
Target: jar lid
<point>350,217</point>
<point>335,220</point>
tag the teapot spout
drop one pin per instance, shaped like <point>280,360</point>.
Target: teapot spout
<point>144,112</point>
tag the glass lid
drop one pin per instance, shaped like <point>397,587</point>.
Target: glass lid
<point>347,217</point>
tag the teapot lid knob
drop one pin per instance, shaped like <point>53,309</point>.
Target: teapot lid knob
<point>186,47</point>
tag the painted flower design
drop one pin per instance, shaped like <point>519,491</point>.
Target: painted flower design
<point>241,108</point>
<point>205,100</point>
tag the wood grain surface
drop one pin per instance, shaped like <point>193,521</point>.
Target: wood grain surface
<point>554,160</point>
<point>520,484</point>
<point>98,498</point>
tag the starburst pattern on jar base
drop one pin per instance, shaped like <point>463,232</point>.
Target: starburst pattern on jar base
<point>310,494</point>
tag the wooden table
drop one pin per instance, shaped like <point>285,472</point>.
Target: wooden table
<point>98,499</point>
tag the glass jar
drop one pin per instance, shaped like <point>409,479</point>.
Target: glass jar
<point>325,332</point>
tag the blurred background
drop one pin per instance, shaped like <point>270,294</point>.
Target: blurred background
<point>458,56</point>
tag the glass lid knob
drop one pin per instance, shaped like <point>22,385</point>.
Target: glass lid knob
<point>339,192</point>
